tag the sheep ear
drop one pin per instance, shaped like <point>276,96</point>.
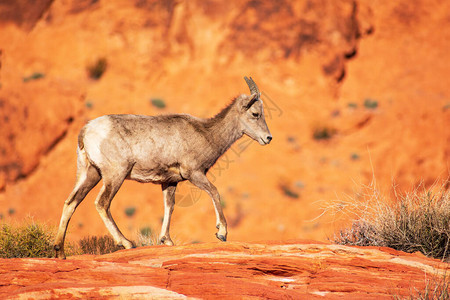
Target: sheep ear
<point>251,101</point>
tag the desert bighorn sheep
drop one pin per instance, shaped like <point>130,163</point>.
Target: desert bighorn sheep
<point>163,149</point>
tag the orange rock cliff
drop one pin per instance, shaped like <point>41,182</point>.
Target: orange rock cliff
<point>354,90</point>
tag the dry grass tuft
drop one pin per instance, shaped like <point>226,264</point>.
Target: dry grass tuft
<point>436,288</point>
<point>98,245</point>
<point>415,221</point>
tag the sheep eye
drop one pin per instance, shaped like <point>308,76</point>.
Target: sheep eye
<point>256,115</point>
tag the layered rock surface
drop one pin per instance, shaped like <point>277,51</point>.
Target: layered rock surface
<point>296,270</point>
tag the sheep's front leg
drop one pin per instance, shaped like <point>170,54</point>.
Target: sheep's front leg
<point>169,202</point>
<point>200,180</point>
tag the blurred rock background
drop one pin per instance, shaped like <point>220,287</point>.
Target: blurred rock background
<point>354,91</point>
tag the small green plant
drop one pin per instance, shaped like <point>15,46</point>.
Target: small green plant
<point>446,107</point>
<point>158,103</point>
<point>147,237</point>
<point>300,184</point>
<point>11,211</point>
<point>289,192</point>
<point>130,211</point>
<point>355,156</point>
<point>34,76</point>
<point>98,245</point>
<point>352,105</point>
<point>146,231</point>
<point>370,103</point>
<point>89,104</point>
<point>323,133</point>
<point>29,240</point>
<point>97,69</point>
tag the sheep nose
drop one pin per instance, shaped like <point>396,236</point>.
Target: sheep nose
<point>269,138</point>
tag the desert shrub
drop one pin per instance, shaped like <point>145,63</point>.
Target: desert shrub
<point>97,69</point>
<point>28,240</point>
<point>370,103</point>
<point>34,76</point>
<point>130,211</point>
<point>446,107</point>
<point>323,133</point>
<point>360,234</point>
<point>98,245</point>
<point>288,191</point>
<point>146,237</point>
<point>146,231</point>
<point>355,156</point>
<point>89,104</point>
<point>415,221</point>
<point>157,102</point>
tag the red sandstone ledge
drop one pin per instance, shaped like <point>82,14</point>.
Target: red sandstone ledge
<point>292,269</point>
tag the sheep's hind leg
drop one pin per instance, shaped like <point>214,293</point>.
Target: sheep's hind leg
<point>88,177</point>
<point>169,202</point>
<point>103,202</point>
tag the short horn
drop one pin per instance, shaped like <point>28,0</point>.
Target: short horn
<point>252,86</point>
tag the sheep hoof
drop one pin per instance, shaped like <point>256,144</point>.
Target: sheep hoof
<point>59,252</point>
<point>60,255</point>
<point>221,237</point>
<point>165,241</point>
